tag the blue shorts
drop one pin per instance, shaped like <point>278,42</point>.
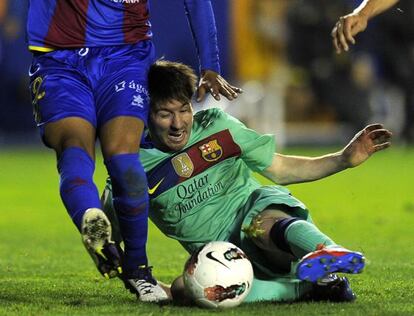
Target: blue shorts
<point>96,84</point>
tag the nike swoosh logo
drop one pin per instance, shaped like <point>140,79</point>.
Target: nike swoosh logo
<point>211,257</point>
<point>152,190</point>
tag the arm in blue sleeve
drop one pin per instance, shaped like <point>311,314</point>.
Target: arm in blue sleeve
<point>200,16</point>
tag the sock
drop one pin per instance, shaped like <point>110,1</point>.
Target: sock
<point>130,199</point>
<point>77,190</point>
<point>298,236</point>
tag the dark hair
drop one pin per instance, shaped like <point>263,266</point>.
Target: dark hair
<point>169,80</point>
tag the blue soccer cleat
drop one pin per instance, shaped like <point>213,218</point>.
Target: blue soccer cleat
<point>324,261</point>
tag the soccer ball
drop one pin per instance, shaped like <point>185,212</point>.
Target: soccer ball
<point>218,275</point>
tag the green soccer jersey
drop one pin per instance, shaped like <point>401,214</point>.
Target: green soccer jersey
<point>196,193</point>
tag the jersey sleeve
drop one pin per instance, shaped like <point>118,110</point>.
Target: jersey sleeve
<point>257,149</point>
<point>201,19</point>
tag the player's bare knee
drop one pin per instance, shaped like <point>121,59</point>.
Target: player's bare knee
<point>128,145</point>
<point>121,135</point>
<point>79,143</point>
<point>259,228</point>
<point>255,229</point>
<point>70,132</point>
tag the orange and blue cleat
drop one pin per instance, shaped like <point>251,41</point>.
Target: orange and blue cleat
<point>324,261</point>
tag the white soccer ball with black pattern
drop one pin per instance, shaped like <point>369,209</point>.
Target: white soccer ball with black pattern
<point>218,275</point>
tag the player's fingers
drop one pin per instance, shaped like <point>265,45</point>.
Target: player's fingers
<point>228,92</point>
<point>215,91</point>
<point>348,24</point>
<point>380,136</point>
<point>376,133</point>
<point>236,89</point>
<point>373,126</point>
<point>233,91</point>
<point>382,146</point>
<point>341,37</point>
<point>335,41</point>
<point>226,89</point>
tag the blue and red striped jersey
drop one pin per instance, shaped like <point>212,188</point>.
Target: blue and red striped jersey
<point>55,24</point>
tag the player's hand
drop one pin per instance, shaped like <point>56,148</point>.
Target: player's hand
<point>215,84</point>
<point>371,139</point>
<point>343,34</point>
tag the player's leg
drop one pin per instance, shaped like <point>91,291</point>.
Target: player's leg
<point>64,110</point>
<point>120,138</point>
<point>269,227</point>
<point>281,289</point>
<point>282,235</point>
<point>73,140</point>
<point>138,278</point>
<point>123,104</point>
<point>135,285</point>
<point>286,289</point>
<point>272,289</point>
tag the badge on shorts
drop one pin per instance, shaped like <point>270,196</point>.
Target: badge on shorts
<point>36,96</point>
<point>183,165</point>
<point>211,151</point>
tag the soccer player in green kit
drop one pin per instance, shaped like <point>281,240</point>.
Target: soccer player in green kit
<point>199,168</point>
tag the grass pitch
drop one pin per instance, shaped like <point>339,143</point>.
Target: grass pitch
<point>44,269</point>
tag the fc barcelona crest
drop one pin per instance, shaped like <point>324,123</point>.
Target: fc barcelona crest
<point>183,165</point>
<point>211,151</point>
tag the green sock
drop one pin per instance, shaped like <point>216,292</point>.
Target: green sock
<point>303,237</point>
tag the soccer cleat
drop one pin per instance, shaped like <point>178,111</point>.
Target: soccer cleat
<point>143,284</point>
<point>332,288</point>
<point>324,261</point>
<point>96,236</point>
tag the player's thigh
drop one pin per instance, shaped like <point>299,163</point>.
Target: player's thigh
<point>70,132</point>
<point>121,135</point>
<point>63,103</point>
<point>122,97</point>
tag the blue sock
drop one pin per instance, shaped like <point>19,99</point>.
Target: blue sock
<point>130,198</point>
<point>77,190</point>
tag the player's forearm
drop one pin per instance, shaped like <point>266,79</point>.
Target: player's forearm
<point>297,169</point>
<point>203,27</point>
<point>371,8</point>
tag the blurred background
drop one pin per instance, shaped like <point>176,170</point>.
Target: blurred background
<point>279,52</point>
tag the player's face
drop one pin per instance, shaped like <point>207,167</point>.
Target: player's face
<point>170,125</point>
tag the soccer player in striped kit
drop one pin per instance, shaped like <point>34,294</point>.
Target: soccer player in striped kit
<point>88,81</point>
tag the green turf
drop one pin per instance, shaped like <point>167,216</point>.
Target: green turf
<point>44,269</point>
